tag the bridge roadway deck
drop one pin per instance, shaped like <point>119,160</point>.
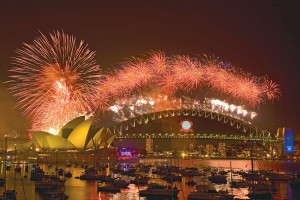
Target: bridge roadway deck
<point>196,136</point>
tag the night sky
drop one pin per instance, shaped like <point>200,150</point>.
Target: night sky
<point>262,37</point>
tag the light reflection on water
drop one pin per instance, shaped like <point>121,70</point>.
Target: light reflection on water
<point>78,189</point>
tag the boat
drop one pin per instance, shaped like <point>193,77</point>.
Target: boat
<point>260,194</point>
<point>295,183</point>
<point>262,186</point>
<point>60,172</point>
<point>17,169</point>
<point>130,172</point>
<point>107,179</point>
<point>171,178</point>
<point>140,181</point>
<point>68,164</point>
<point>209,188</point>
<point>57,178</point>
<point>2,181</point>
<point>258,191</point>
<point>89,174</point>
<point>280,177</point>
<point>36,176</point>
<point>121,183</point>
<point>190,182</point>
<point>156,186</point>
<point>160,192</point>
<point>68,174</point>
<point>8,167</point>
<point>9,195</point>
<point>208,192</point>
<point>37,173</point>
<point>239,184</point>
<point>225,195</point>
<point>109,188</point>
<point>48,185</point>
<point>204,196</point>
<point>191,172</point>
<point>218,179</point>
<point>26,168</point>
<point>55,195</point>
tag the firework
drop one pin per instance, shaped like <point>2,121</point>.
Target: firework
<point>271,89</point>
<point>127,108</point>
<point>158,62</point>
<point>55,80</point>
<point>170,82</point>
<point>173,75</point>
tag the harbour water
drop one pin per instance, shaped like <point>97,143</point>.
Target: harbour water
<point>78,189</point>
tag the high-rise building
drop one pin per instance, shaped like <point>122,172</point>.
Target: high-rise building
<point>149,145</point>
<point>288,141</point>
<point>209,148</point>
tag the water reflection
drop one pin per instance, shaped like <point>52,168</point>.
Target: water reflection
<point>87,190</point>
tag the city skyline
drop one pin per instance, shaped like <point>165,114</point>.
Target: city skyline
<point>264,44</point>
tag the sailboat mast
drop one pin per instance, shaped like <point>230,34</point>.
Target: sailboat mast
<point>252,168</point>
<point>5,155</point>
<point>15,173</point>
<point>15,154</point>
<point>230,172</point>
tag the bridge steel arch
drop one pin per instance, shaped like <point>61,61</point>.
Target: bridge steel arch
<point>250,132</point>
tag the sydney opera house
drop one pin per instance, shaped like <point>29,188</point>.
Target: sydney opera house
<point>78,135</point>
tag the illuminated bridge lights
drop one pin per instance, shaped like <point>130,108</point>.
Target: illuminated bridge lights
<point>194,136</point>
<point>251,132</point>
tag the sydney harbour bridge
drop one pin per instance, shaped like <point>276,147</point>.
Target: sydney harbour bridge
<point>167,125</point>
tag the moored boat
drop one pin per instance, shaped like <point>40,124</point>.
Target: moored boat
<point>208,192</point>
<point>37,173</point>
<point>260,194</point>
<point>17,169</point>
<point>57,178</point>
<point>10,195</point>
<point>239,184</point>
<point>48,185</point>
<point>2,181</point>
<point>295,183</point>
<point>89,174</point>
<point>8,167</point>
<point>121,183</point>
<point>109,188</point>
<point>280,177</point>
<point>191,172</point>
<point>68,174</point>
<point>171,178</point>
<point>140,181</point>
<point>160,192</point>
<point>191,182</point>
<point>55,195</point>
<point>204,196</point>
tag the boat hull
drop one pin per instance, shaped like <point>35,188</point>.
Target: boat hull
<point>159,193</point>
